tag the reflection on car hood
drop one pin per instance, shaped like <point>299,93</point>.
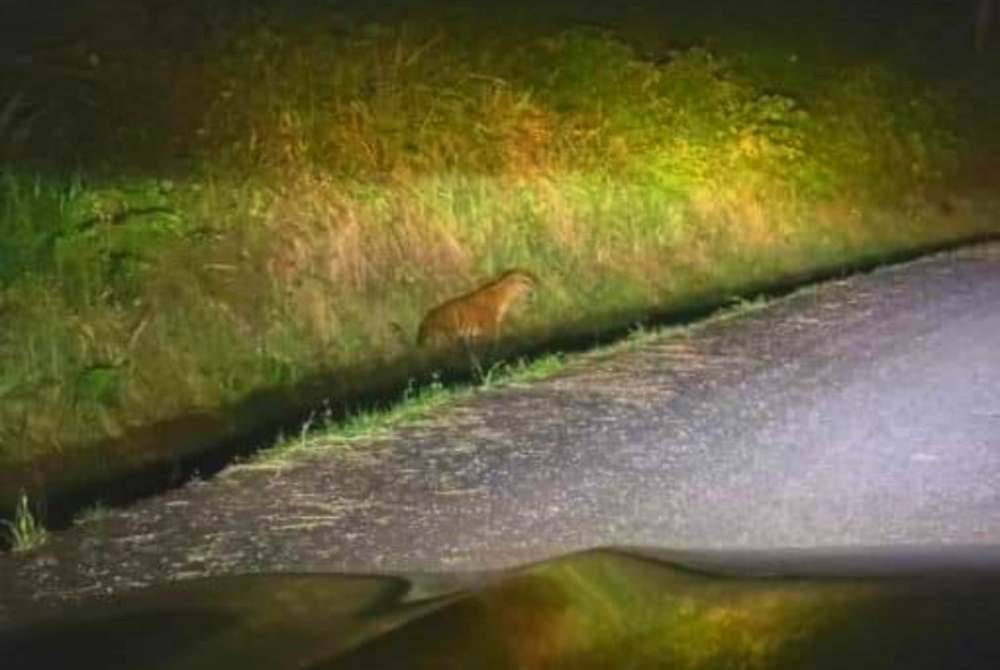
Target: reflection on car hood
<point>630,608</point>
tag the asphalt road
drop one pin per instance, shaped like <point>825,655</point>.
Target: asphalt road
<point>861,412</point>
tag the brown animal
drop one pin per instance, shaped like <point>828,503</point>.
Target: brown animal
<point>477,315</point>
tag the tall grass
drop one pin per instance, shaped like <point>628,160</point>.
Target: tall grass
<point>336,185</point>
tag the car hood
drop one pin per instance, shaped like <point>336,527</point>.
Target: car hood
<point>906,607</point>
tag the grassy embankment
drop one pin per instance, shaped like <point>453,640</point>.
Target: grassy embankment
<point>259,211</point>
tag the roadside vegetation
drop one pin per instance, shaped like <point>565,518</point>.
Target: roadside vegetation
<point>24,532</point>
<point>325,432</point>
<point>181,229</point>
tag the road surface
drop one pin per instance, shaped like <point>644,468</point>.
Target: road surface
<point>859,412</point>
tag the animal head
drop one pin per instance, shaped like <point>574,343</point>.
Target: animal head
<point>522,280</point>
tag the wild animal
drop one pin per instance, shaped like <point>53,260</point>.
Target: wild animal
<point>476,316</point>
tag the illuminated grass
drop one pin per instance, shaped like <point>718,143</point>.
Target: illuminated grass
<point>338,183</point>
<point>92,515</point>
<point>24,532</point>
<point>324,434</point>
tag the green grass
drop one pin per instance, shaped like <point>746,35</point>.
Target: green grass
<point>324,434</point>
<point>24,532</point>
<point>94,514</point>
<point>263,210</point>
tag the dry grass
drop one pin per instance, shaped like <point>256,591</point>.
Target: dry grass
<point>330,187</point>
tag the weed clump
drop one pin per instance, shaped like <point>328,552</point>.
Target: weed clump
<point>24,533</point>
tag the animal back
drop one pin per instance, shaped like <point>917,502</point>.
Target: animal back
<point>476,315</point>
